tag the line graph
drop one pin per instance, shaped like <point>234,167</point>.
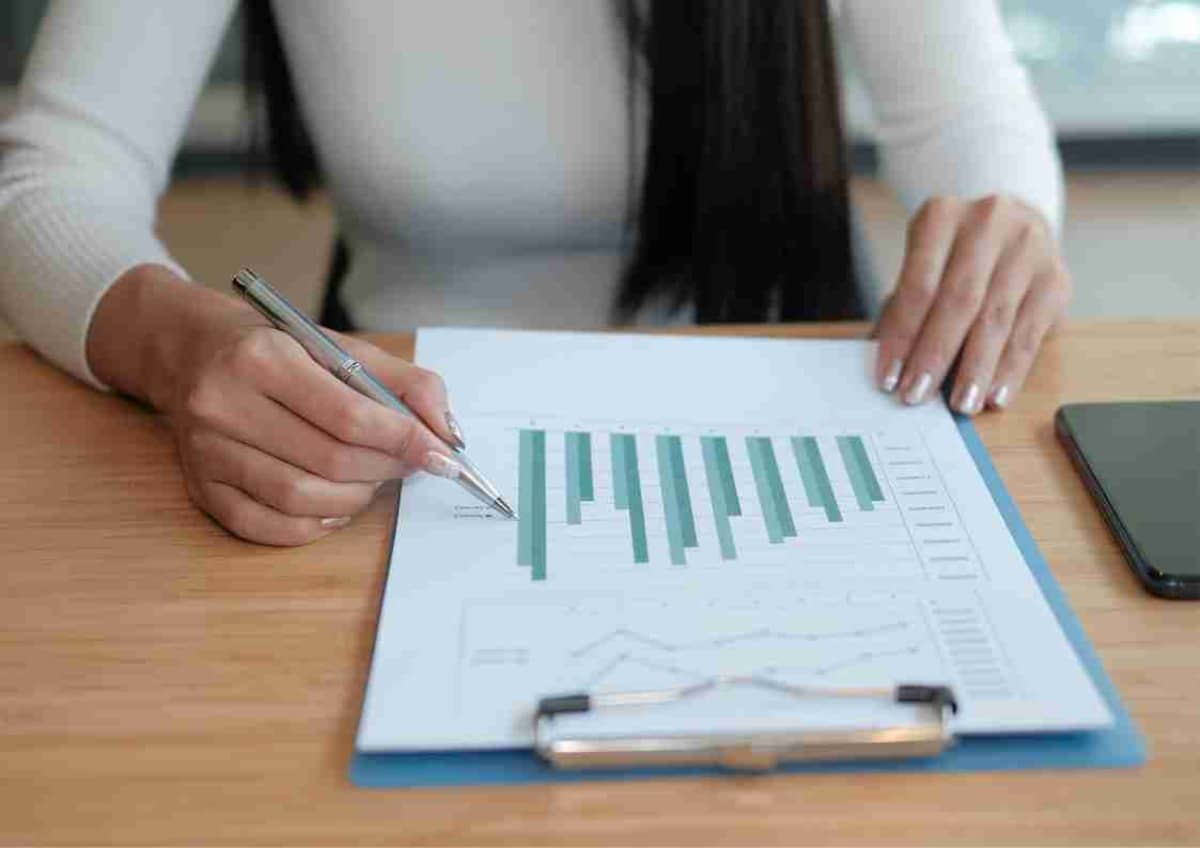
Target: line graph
<point>695,675</point>
<point>761,634</point>
<point>608,643</point>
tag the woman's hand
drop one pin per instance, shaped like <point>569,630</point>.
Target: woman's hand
<point>273,446</point>
<point>982,281</point>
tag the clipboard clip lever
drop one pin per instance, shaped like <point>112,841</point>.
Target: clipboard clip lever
<point>743,751</point>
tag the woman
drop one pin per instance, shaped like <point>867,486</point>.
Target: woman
<point>483,158</point>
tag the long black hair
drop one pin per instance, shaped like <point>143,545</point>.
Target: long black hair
<point>743,209</point>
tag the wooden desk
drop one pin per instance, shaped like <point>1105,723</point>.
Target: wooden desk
<point>163,682</point>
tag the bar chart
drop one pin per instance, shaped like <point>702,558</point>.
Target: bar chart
<point>648,498</point>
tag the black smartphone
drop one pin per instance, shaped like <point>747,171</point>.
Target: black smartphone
<point>1141,462</point>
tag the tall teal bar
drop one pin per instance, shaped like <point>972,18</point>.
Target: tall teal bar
<point>733,506</point>
<point>628,493</point>
<point>669,486</point>
<point>531,502</point>
<point>814,473</point>
<point>683,495</point>
<point>538,554</point>
<point>525,510</point>
<point>786,525</point>
<point>762,484</point>
<point>714,474</point>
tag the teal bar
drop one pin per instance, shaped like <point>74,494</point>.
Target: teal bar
<point>832,511</point>
<point>716,492</point>
<point>824,488</point>
<point>864,465</point>
<point>732,505</point>
<point>786,526</point>
<point>583,442</point>
<point>633,491</point>
<point>812,491</point>
<point>683,494</point>
<point>861,493</point>
<point>617,445</point>
<point>525,498</point>
<point>766,497</point>
<point>617,450</point>
<point>669,484</point>
<point>571,450</point>
<point>537,554</point>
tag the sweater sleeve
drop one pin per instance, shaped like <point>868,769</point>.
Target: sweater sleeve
<point>85,155</point>
<point>955,112</point>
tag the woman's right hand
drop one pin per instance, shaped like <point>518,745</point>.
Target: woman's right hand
<point>273,446</point>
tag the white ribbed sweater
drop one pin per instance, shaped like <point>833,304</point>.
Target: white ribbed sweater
<point>475,151</point>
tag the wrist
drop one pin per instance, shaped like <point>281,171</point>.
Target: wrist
<point>150,326</point>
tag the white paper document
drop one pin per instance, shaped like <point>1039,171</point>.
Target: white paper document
<point>695,507</point>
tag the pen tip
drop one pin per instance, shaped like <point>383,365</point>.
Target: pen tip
<point>504,509</point>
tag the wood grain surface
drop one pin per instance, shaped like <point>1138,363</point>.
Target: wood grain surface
<point>162,682</point>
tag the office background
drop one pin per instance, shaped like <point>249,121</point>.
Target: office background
<point>1120,80</point>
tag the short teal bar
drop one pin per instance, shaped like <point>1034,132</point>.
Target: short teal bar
<point>669,485</point>
<point>571,452</point>
<point>861,493</point>
<point>714,474</point>
<point>864,465</point>
<point>617,447</point>
<point>762,483</point>
<point>587,491</point>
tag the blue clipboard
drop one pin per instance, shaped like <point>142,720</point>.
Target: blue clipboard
<point>1118,746</point>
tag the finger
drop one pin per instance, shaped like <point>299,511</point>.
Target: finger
<point>988,335</point>
<point>929,240</point>
<point>1044,304</point>
<point>254,419</point>
<point>959,297</point>
<point>243,516</point>
<point>297,382</point>
<point>277,484</point>
<point>422,389</point>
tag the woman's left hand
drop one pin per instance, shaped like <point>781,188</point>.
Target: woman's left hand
<point>980,278</point>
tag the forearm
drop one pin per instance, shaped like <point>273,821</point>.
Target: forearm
<point>148,326</point>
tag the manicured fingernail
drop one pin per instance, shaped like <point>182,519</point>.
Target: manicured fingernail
<point>455,431</point>
<point>968,402</point>
<point>334,523</point>
<point>441,465</point>
<point>892,378</point>
<point>916,392</point>
<point>1000,397</point>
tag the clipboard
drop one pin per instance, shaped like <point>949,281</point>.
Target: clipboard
<point>1120,745</point>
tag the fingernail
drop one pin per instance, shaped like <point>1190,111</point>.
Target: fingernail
<point>916,392</point>
<point>1000,397</point>
<point>378,485</point>
<point>334,523</point>
<point>968,403</point>
<point>441,465</point>
<point>455,431</point>
<point>892,378</point>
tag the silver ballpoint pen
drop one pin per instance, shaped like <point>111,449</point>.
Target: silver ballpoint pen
<point>275,308</point>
